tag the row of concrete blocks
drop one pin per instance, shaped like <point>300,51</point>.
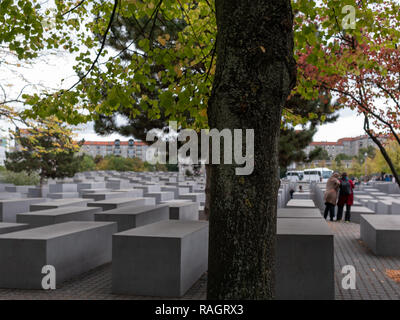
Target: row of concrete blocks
<point>105,199</point>
<point>59,191</point>
<point>387,187</point>
<point>284,194</point>
<point>146,235</point>
<point>304,253</point>
<point>365,203</point>
<point>165,258</point>
<point>162,259</point>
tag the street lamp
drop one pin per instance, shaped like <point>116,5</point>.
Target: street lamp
<point>365,163</point>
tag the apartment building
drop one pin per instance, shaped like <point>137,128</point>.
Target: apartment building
<point>348,146</point>
<point>126,149</point>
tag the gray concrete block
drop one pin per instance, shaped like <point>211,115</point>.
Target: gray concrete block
<point>133,217</point>
<point>176,190</point>
<point>21,189</point>
<point>11,195</point>
<point>160,196</point>
<point>38,192</point>
<point>200,198</point>
<point>72,248</point>
<point>300,203</point>
<point>356,213</point>
<point>381,233</point>
<point>122,202</point>
<point>90,185</point>
<point>134,193</point>
<point>62,187</point>
<point>59,215</point>
<point>162,259</point>
<point>108,195</point>
<point>63,195</point>
<point>183,210</point>
<point>9,208</point>
<point>148,188</point>
<point>7,227</point>
<point>4,185</point>
<point>372,205</point>
<point>302,195</point>
<point>304,260</point>
<point>74,202</point>
<point>299,213</point>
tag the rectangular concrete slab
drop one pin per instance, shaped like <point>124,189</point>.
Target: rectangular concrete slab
<point>59,215</point>
<point>300,203</point>
<point>304,260</point>
<point>74,202</point>
<point>9,208</point>
<point>122,202</point>
<point>356,212</point>
<point>299,213</point>
<point>381,233</point>
<point>7,227</point>
<point>133,217</point>
<point>72,248</point>
<point>161,259</point>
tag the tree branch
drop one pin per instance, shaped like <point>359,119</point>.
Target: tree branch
<point>116,2</point>
<point>72,9</point>
<point>381,148</point>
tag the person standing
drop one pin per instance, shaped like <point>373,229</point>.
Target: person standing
<point>346,197</point>
<point>330,196</point>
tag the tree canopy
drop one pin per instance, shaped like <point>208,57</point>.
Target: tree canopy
<point>46,147</point>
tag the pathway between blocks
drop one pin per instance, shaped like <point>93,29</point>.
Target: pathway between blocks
<point>372,279</point>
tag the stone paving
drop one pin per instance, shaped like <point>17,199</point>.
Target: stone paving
<point>93,285</point>
<point>372,280</point>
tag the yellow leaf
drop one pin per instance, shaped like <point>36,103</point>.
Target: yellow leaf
<point>161,40</point>
<point>262,49</point>
<point>178,71</point>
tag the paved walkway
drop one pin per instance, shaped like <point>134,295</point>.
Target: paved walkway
<point>93,285</point>
<point>372,280</point>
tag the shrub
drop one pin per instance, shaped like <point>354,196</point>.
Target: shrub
<point>20,178</point>
<point>87,163</point>
<point>121,164</point>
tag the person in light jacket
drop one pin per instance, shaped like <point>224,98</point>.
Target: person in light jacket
<point>330,196</point>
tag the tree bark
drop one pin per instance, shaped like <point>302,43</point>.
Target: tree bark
<point>255,73</point>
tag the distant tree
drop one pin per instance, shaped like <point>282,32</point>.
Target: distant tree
<point>86,163</point>
<point>98,158</point>
<point>370,151</point>
<point>45,147</point>
<point>172,167</point>
<point>318,154</point>
<point>343,156</point>
<point>112,162</point>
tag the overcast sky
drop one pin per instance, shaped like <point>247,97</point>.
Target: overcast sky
<point>50,70</point>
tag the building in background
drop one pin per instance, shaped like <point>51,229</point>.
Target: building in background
<point>347,146</point>
<point>126,149</point>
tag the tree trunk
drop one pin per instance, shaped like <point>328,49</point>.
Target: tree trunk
<point>255,73</point>
<point>207,192</point>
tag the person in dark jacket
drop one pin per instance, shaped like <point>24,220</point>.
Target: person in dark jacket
<point>346,197</point>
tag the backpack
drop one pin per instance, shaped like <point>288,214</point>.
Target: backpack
<point>345,188</point>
